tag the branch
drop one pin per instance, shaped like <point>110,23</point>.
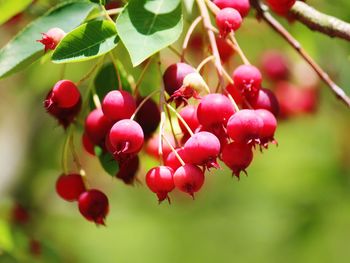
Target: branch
<point>271,21</point>
<point>320,22</point>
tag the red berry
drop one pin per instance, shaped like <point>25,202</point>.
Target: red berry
<point>88,144</point>
<point>65,94</point>
<point>202,149</point>
<point>225,49</point>
<point>160,181</point>
<point>172,161</point>
<point>242,6</point>
<point>126,136</point>
<point>189,114</point>
<point>128,169</point>
<point>93,205</point>
<point>174,76</point>
<point>281,7</point>
<point>148,117</point>
<point>70,187</point>
<point>275,65</point>
<point>97,126</point>
<point>51,38</point>
<point>228,20</point>
<point>19,214</point>
<point>237,156</point>
<point>153,145</point>
<point>118,105</point>
<point>268,129</point>
<point>247,79</point>
<point>245,126</point>
<point>235,93</point>
<point>267,100</point>
<point>214,110</point>
<point>189,179</point>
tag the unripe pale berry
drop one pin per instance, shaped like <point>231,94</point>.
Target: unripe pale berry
<point>228,20</point>
<point>118,105</point>
<point>247,79</point>
<point>97,125</point>
<point>237,156</point>
<point>51,38</point>
<point>160,180</point>
<point>242,6</point>
<point>94,206</point>
<point>70,187</point>
<point>281,7</point>
<point>189,179</point>
<point>174,76</point>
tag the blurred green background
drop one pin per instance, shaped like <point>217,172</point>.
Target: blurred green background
<point>293,207</point>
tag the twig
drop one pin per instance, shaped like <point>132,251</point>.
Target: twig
<point>162,118</point>
<point>181,119</point>
<point>142,75</point>
<point>143,102</point>
<point>188,36</point>
<point>238,49</point>
<point>172,127</point>
<point>174,151</point>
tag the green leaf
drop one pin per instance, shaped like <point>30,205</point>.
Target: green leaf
<point>147,26</point>
<point>189,5</point>
<point>108,163</point>
<point>88,41</point>
<point>101,2</point>
<point>23,49</point>
<point>11,8</point>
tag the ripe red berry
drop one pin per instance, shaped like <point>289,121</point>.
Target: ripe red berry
<point>235,93</point>
<point>281,7</point>
<point>172,161</point>
<point>88,144</point>
<point>148,117</point>
<point>128,169</point>
<point>228,20</point>
<point>202,149</point>
<point>126,136</point>
<point>267,100</point>
<point>247,79</point>
<point>225,49</point>
<point>189,179</point>
<point>70,187</point>
<point>174,76</point>
<point>160,181</point>
<point>214,110</point>
<point>237,156</point>
<point>245,126</point>
<point>65,94</point>
<point>51,38</point>
<point>19,214</point>
<point>242,6</point>
<point>118,105</point>
<point>275,65</point>
<point>97,125</point>
<point>153,145</point>
<point>189,114</point>
<point>268,129</point>
<point>93,205</point>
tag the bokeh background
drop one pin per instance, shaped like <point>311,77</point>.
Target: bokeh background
<point>293,207</point>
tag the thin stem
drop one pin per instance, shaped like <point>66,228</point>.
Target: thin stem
<point>204,62</point>
<point>114,61</point>
<point>173,150</point>
<point>143,102</point>
<point>142,75</point>
<point>63,70</point>
<point>109,12</point>
<point>88,74</point>
<point>238,49</point>
<point>106,14</point>
<point>181,119</point>
<point>233,102</point>
<point>162,118</point>
<point>64,156</point>
<point>188,36</point>
<point>177,53</point>
<point>172,127</point>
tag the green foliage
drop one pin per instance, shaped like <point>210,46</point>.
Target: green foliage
<point>108,163</point>
<point>11,8</point>
<point>147,26</point>
<point>101,2</point>
<point>23,50</point>
<point>88,41</point>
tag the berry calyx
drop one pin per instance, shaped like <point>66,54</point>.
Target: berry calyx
<point>51,38</point>
<point>70,187</point>
<point>189,179</point>
<point>242,6</point>
<point>174,76</point>
<point>118,105</point>
<point>228,20</point>
<point>65,94</point>
<point>160,180</point>
<point>281,7</point>
<point>94,206</point>
<point>247,79</point>
<point>269,127</point>
<point>97,126</point>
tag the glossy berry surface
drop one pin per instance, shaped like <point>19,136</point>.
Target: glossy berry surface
<point>269,127</point>
<point>174,76</point>
<point>65,94</point>
<point>242,6</point>
<point>228,20</point>
<point>118,105</point>
<point>70,187</point>
<point>189,114</point>
<point>97,126</point>
<point>51,38</point>
<point>94,206</point>
<point>281,7</point>
<point>237,156</point>
<point>173,162</point>
<point>247,80</point>
<point>225,50</point>
<point>267,100</point>
<point>189,179</point>
<point>88,144</point>
<point>160,180</point>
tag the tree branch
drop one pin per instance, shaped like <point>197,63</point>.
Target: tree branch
<point>263,14</point>
<point>320,22</point>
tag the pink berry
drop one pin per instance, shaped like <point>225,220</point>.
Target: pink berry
<point>189,179</point>
<point>88,144</point>
<point>51,38</point>
<point>202,149</point>
<point>225,50</point>
<point>275,65</point>
<point>214,110</point>
<point>228,20</point>
<point>235,93</point>
<point>247,79</point>
<point>65,94</point>
<point>268,129</point>
<point>245,126</point>
<point>189,114</point>
<point>172,161</point>
<point>70,187</point>
<point>237,156</point>
<point>128,169</point>
<point>267,100</point>
<point>174,76</point>
<point>148,117</point>
<point>242,6</point>
<point>160,180</point>
<point>126,136</point>
<point>118,105</point>
<point>93,205</point>
<point>153,145</point>
<point>281,7</point>
<point>97,126</point>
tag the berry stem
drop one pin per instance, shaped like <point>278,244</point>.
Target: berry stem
<point>172,127</point>
<point>188,36</point>
<point>174,151</point>
<point>110,12</point>
<point>143,102</point>
<point>142,75</point>
<point>162,116</point>
<point>181,119</point>
<point>114,61</point>
<point>107,14</point>
<point>177,53</point>
<point>233,102</point>
<point>238,49</point>
<point>63,71</point>
<point>64,156</point>
<point>204,62</point>
<point>87,75</point>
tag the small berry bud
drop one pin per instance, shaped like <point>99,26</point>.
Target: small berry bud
<point>51,38</point>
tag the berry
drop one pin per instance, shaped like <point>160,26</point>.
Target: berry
<point>228,20</point>
<point>65,94</point>
<point>245,126</point>
<point>235,93</point>
<point>281,7</point>
<point>69,187</point>
<point>128,169</point>
<point>268,129</point>
<point>172,161</point>
<point>160,181</point>
<point>202,149</point>
<point>97,126</point>
<point>51,38</point>
<point>189,179</point>
<point>174,76</point>
<point>93,205</point>
<point>189,114</point>
<point>153,145</point>
<point>275,65</point>
<point>237,156</point>
<point>242,6</point>
<point>225,49</point>
<point>19,214</point>
<point>214,110</point>
<point>88,144</point>
<point>148,117</point>
<point>267,100</point>
<point>126,136</point>
<point>118,105</point>
<point>247,79</point>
